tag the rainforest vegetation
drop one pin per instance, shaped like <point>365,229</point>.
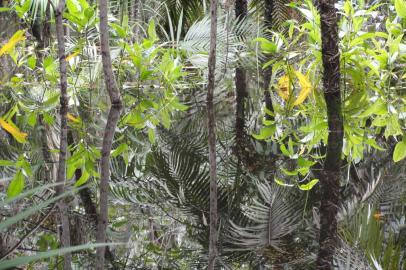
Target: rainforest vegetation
<point>203,134</point>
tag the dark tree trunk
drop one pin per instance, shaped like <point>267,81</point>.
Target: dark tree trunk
<point>211,122</point>
<point>267,72</point>
<point>330,182</point>
<point>109,131</point>
<point>241,89</point>
<point>63,143</point>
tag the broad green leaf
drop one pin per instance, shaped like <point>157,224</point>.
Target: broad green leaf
<point>16,185</point>
<point>266,45</point>
<point>83,179</point>
<point>400,151</point>
<point>309,185</point>
<point>265,133</point>
<point>120,149</point>
<point>400,6</point>
<point>284,150</point>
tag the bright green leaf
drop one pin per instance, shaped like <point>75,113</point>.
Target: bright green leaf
<point>400,151</point>
<point>16,185</point>
<point>309,185</point>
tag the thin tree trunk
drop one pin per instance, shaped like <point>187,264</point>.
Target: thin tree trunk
<point>85,195</point>
<point>267,72</point>
<point>61,175</point>
<point>330,182</point>
<point>211,122</point>
<point>241,89</point>
<point>112,120</point>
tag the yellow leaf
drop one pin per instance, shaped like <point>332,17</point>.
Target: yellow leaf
<point>69,57</point>
<point>284,87</point>
<point>73,118</point>
<point>14,131</point>
<point>306,88</point>
<point>18,36</point>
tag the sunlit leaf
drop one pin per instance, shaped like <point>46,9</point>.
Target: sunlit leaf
<point>70,56</point>
<point>73,118</point>
<point>83,179</point>
<point>16,185</point>
<point>309,185</point>
<point>17,37</point>
<point>400,6</point>
<point>306,88</point>
<point>400,151</point>
<point>14,131</point>
<point>265,133</point>
<point>284,88</point>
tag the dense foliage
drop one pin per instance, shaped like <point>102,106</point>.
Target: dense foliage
<point>277,136</point>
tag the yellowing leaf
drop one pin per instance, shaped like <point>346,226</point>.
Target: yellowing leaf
<point>284,88</point>
<point>14,131</point>
<point>18,36</point>
<point>73,118</point>
<point>306,88</point>
<point>69,57</point>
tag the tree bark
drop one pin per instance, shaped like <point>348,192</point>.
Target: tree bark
<point>241,10</point>
<point>112,120</point>
<point>267,72</point>
<point>63,143</point>
<point>211,123</point>
<point>330,182</point>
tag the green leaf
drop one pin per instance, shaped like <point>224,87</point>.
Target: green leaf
<point>151,31</point>
<point>31,62</point>
<point>281,182</point>
<point>151,135</point>
<point>265,133</point>
<point>400,6</point>
<point>16,185</point>
<point>83,179</point>
<point>309,185</point>
<point>120,149</point>
<point>6,162</point>
<point>284,150</point>
<point>400,151</point>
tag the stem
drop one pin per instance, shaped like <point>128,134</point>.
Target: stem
<point>211,122</point>
<point>61,174</point>
<point>112,120</point>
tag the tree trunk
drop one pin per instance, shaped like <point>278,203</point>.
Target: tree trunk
<point>112,120</point>
<point>85,195</point>
<point>330,182</point>
<point>241,89</point>
<point>61,175</point>
<point>267,72</point>
<point>211,122</point>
